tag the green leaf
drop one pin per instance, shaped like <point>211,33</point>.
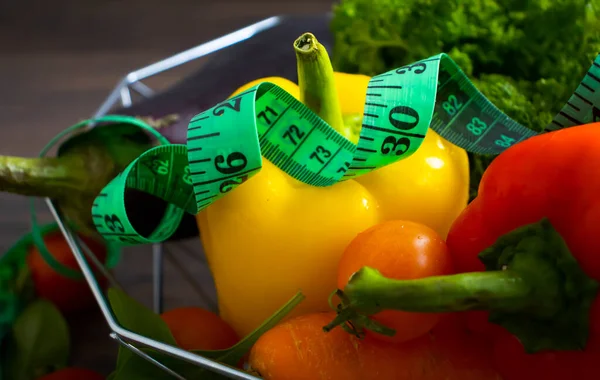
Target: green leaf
<point>482,37</point>
<point>135,317</point>
<point>16,287</point>
<point>131,366</point>
<point>24,285</point>
<point>233,355</point>
<point>137,368</point>
<point>39,342</point>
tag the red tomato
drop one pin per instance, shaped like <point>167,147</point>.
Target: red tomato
<point>195,328</point>
<point>400,250</point>
<point>69,295</point>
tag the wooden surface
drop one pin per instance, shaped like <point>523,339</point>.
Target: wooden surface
<point>58,62</point>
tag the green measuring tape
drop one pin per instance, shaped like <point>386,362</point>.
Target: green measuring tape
<point>226,143</point>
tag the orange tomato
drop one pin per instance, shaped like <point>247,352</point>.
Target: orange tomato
<point>69,295</point>
<point>195,328</point>
<point>73,373</point>
<point>400,250</point>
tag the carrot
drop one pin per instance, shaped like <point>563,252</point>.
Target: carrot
<point>299,349</point>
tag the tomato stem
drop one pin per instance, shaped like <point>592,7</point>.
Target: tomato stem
<point>532,286</point>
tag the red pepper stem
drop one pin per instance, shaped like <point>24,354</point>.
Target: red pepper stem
<point>532,286</point>
<point>496,290</point>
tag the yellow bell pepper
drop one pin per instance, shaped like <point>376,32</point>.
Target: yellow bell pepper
<point>274,235</point>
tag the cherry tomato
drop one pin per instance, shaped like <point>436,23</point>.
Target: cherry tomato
<point>69,295</point>
<point>195,328</point>
<point>400,250</point>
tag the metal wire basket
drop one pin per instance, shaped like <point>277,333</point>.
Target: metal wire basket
<point>122,97</point>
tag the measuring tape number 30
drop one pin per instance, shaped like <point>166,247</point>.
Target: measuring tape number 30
<point>226,143</point>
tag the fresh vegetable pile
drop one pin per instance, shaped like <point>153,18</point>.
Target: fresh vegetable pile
<point>534,273</point>
<point>432,267</point>
<point>268,218</point>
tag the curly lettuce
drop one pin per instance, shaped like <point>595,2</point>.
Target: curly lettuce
<point>525,56</point>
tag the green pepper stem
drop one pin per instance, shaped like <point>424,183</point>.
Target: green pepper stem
<point>317,82</point>
<point>160,123</point>
<point>85,163</point>
<point>42,177</point>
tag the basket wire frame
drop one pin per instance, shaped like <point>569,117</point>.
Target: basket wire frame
<point>122,94</point>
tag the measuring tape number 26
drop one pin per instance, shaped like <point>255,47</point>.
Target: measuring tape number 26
<point>226,143</point>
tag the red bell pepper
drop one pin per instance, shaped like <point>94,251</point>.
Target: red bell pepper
<point>552,176</point>
<point>527,250</point>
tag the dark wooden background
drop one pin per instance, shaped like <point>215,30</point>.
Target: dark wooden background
<point>58,61</point>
